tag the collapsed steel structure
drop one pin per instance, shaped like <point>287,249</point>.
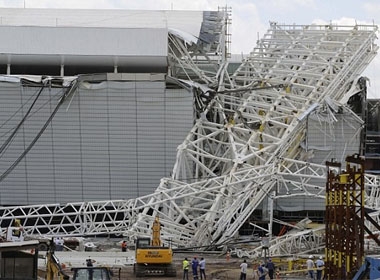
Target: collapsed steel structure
<point>245,146</point>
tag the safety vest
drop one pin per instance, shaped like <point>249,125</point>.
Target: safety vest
<point>185,265</point>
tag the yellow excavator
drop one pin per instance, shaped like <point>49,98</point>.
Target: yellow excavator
<point>151,257</point>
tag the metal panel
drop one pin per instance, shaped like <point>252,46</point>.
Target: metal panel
<point>120,47</point>
<point>328,139</point>
<point>111,140</point>
<point>187,21</point>
<point>324,142</point>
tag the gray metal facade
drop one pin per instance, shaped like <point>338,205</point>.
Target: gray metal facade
<point>25,49</point>
<point>109,140</point>
<point>327,139</point>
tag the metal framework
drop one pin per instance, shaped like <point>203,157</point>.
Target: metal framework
<point>244,148</point>
<point>345,221</point>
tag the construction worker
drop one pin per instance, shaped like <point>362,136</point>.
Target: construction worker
<point>124,246</point>
<point>202,269</point>
<point>319,264</point>
<point>243,270</point>
<point>262,271</point>
<point>271,267</point>
<point>185,267</point>
<point>89,262</point>
<point>194,266</point>
<point>310,266</point>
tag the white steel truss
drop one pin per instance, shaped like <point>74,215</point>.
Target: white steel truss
<point>298,243</point>
<point>244,148</point>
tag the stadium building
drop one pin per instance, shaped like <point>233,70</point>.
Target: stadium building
<point>97,105</point>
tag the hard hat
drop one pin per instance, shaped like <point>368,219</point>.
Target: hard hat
<point>320,257</point>
<point>311,256</point>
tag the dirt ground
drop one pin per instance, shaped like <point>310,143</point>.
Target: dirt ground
<point>217,268</point>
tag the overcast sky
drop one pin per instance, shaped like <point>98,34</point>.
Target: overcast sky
<point>250,18</point>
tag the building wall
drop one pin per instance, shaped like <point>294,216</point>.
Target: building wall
<point>185,20</point>
<point>78,50</point>
<point>109,140</point>
<point>326,140</point>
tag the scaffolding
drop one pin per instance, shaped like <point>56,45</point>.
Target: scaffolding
<point>344,219</point>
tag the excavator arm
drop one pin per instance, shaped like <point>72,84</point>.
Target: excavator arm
<point>53,266</point>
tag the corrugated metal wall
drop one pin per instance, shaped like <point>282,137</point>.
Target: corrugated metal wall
<point>326,139</point>
<point>109,140</point>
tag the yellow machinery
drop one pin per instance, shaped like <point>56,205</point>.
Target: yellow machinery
<point>54,270</point>
<point>53,266</point>
<point>151,257</point>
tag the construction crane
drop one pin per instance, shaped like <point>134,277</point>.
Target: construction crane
<point>244,149</point>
